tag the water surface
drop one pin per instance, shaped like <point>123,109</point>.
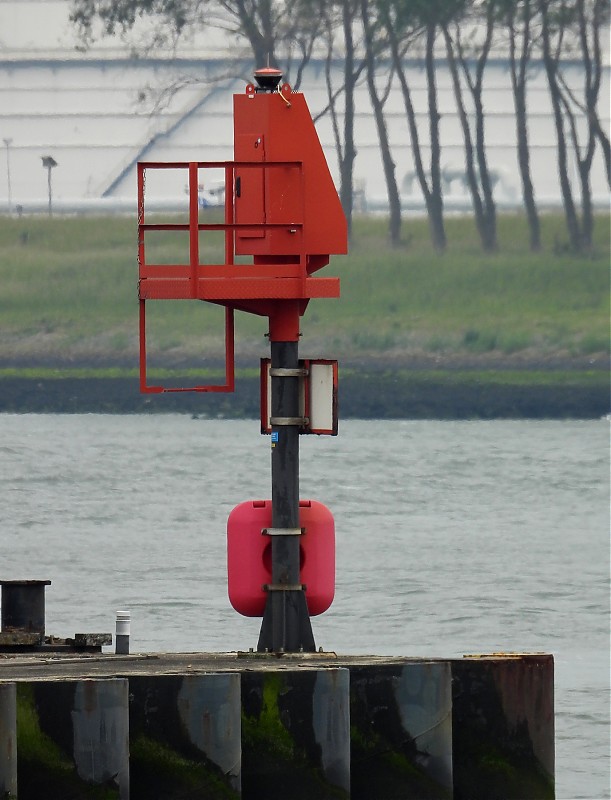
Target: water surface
<point>452,538</point>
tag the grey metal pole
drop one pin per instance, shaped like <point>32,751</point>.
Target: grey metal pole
<point>49,168</point>
<point>8,142</point>
<point>48,163</point>
<point>286,623</point>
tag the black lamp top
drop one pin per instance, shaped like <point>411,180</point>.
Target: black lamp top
<point>267,79</point>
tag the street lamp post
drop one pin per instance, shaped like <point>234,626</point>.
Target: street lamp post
<point>7,142</point>
<point>49,162</point>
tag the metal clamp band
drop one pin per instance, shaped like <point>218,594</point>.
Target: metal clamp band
<point>283,587</point>
<point>282,531</point>
<point>286,372</point>
<point>301,421</point>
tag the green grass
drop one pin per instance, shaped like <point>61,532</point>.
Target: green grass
<point>69,292</point>
<point>467,300</point>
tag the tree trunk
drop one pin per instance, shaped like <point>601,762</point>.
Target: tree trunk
<point>343,132</point>
<point>584,167</point>
<point>490,242</point>
<point>601,16</point>
<point>432,198</point>
<point>592,61</point>
<point>347,166</point>
<point>388,164</point>
<point>603,140</point>
<point>528,192</point>
<point>435,203</point>
<point>587,211</point>
<point>551,67</point>
<point>518,67</point>
<point>475,87</point>
<point>478,208</point>
<point>259,33</point>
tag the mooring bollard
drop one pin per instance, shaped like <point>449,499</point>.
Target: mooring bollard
<point>23,606</point>
<point>122,633</point>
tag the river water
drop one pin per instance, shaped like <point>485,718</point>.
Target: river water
<point>452,538</point>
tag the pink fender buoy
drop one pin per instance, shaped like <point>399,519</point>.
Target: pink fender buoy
<point>249,561</point>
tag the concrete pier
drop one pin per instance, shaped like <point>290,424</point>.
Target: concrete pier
<point>248,725</point>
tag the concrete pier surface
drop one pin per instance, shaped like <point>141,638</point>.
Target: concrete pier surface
<point>249,725</point>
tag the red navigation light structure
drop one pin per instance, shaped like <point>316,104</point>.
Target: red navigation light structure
<point>282,211</point>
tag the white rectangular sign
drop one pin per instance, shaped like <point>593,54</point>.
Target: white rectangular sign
<point>317,396</point>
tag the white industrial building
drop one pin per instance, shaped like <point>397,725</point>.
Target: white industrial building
<point>94,114</point>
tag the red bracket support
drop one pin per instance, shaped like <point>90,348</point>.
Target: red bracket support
<point>229,384</point>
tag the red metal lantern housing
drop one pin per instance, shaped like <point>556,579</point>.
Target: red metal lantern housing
<point>281,211</point>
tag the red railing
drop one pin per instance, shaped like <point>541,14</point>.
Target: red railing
<point>227,283</point>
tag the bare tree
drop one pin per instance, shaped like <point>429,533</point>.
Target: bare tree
<point>471,62</point>
<point>108,17</point>
<point>567,31</point>
<point>404,26</point>
<point>266,25</point>
<point>599,21</point>
<point>552,33</point>
<point>273,29</point>
<point>572,28</point>
<point>378,98</point>
<point>339,16</point>
<point>519,18</point>
<point>589,16</point>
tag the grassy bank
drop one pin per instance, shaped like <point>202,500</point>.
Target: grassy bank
<point>69,297</point>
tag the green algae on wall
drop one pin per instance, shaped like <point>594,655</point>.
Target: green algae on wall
<point>278,739</point>
<point>159,771</point>
<point>44,769</point>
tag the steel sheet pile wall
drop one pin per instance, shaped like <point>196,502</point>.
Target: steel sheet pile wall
<point>214,726</point>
